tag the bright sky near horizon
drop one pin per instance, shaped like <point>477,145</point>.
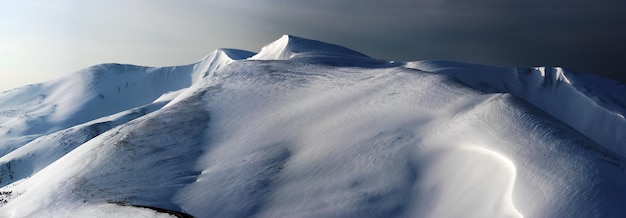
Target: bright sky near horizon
<point>44,39</point>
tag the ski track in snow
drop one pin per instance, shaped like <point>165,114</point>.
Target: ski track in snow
<point>309,129</point>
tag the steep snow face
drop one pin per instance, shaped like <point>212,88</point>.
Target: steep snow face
<point>594,106</point>
<point>290,46</point>
<point>299,49</point>
<point>303,137</point>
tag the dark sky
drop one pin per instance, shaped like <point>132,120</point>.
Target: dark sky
<point>580,35</point>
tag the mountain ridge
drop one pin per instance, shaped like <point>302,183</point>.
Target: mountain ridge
<point>314,130</point>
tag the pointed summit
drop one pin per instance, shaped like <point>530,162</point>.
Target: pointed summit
<point>288,47</point>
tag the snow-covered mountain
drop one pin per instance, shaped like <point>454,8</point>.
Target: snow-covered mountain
<point>310,129</point>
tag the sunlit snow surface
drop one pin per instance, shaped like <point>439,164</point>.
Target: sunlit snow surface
<point>308,129</point>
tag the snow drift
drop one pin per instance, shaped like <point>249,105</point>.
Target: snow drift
<point>309,129</point>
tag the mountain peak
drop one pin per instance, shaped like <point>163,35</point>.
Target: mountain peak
<point>289,46</point>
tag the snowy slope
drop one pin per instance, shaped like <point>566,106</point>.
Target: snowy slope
<point>309,129</point>
<point>29,112</point>
<point>32,111</point>
<point>592,105</point>
<point>39,153</point>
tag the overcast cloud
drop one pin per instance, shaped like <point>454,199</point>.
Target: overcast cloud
<point>44,39</point>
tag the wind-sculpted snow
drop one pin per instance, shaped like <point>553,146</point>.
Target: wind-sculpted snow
<point>307,129</point>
